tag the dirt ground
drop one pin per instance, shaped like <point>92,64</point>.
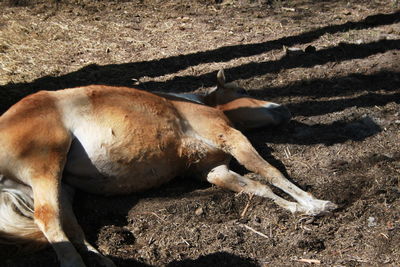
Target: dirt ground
<point>342,86</point>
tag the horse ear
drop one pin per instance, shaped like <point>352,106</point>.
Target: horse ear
<point>221,83</point>
<point>221,78</point>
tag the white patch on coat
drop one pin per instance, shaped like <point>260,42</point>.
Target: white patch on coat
<point>87,155</point>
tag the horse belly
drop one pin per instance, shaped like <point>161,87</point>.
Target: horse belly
<point>101,166</point>
<point>125,140</point>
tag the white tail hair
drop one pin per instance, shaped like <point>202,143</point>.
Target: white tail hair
<point>17,226</point>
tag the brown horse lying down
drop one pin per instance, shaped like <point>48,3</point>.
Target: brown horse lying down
<point>115,140</point>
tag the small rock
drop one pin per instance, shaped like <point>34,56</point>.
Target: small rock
<point>199,211</point>
<point>371,222</point>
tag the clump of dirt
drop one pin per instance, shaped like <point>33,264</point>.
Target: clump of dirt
<point>335,64</point>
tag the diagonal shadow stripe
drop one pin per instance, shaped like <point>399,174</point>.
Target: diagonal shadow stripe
<point>336,86</point>
<point>122,74</point>
<point>223,54</point>
<point>333,54</point>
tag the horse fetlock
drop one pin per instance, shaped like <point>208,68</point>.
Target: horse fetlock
<point>317,207</point>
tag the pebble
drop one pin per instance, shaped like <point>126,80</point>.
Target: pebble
<point>199,211</point>
<point>371,222</point>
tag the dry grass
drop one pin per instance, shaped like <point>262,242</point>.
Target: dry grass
<point>178,46</point>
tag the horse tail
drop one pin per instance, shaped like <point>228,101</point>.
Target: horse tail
<point>17,226</point>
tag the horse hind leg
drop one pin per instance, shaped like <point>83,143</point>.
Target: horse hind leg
<point>53,213</point>
<point>74,231</point>
<point>46,189</point>
<point>41,166</point>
